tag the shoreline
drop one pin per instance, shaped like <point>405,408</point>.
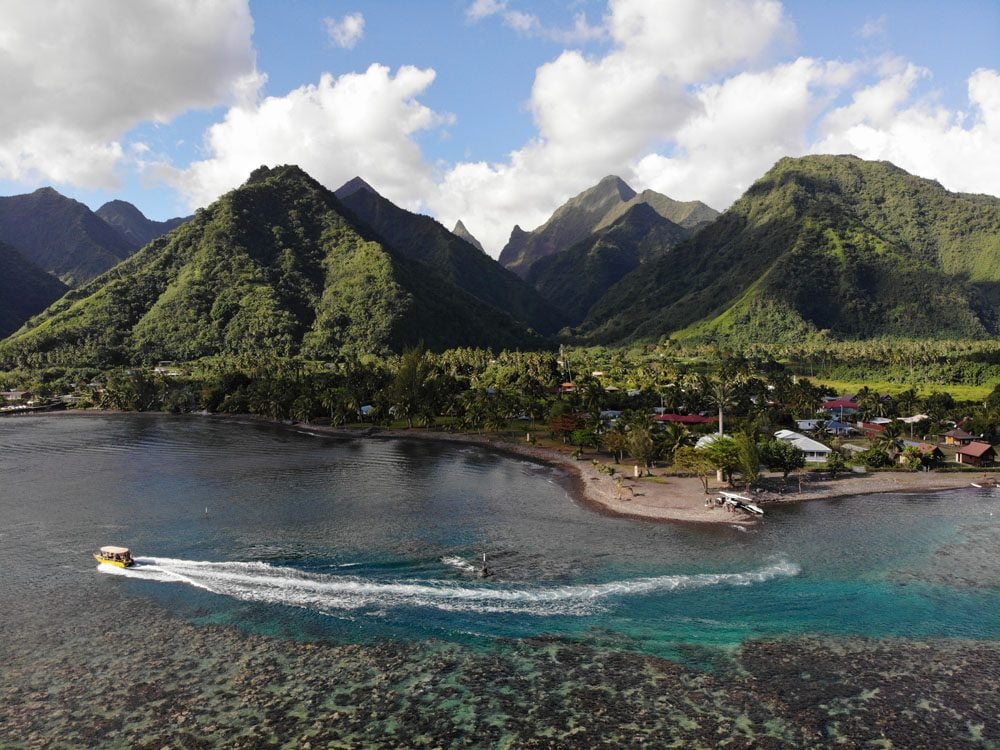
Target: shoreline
<point>661,498</point>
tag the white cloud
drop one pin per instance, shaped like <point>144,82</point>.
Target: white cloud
<point>347,31</point>
<point>959,149</point>
<point>690,40</point>
<point>76,77</point>
<point>357,124</point>
<point>481,9</point>
<point>873,27</point>
<point>529,24</point>
<point>746,123</point>
<point>599,116</point>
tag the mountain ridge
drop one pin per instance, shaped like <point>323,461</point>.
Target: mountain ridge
<point>274,268</point>
<point>822,245</point>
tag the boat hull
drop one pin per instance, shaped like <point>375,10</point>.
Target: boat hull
<point>116,563</point>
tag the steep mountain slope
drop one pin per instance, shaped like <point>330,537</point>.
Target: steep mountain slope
<point>25,289</point>
<point>133,225</point>
<point>572,222</point>
<point>822,243</point>
<point>575,279</point>
<point>692,215</point>
<point>463,233</point>
<point>60,235</point>
<point>423,239</point>
<point>276,267</point>
<point>591,211</point>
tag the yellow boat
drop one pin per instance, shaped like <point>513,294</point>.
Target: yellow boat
<point>120,557</point>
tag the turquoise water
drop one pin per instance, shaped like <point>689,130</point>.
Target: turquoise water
<point>363,539</point>
<point>309,539</point>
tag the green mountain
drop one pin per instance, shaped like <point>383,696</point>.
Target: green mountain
<point>25,289</point>
<point>822,244</point>
<point>589,212</point>
<point>132,224</point>
<point>692,215</point>
<point>423,239</point>
<point>277,266</point>
<point>574,280</point>
<point>60,235</point>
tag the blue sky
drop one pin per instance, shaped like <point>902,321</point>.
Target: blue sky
<point>492,111</point>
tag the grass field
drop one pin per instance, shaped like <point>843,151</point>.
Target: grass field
<point>959,392</point>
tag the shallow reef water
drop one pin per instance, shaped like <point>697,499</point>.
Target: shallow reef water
<point>158,681</point>
<point>301,592</point>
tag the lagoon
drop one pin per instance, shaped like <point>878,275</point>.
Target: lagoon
<point>317,589</point>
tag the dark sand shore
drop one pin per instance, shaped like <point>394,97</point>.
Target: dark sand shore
<point>660,497</point>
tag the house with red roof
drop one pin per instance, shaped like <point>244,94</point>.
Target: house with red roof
<point>976,453</point>
<point>684,418</point>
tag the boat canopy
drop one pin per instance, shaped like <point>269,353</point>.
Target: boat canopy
<point>115,550</point>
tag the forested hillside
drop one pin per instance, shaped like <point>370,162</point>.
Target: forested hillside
<point>273,268</point>
<point>575,279</point>
<point>423,239</point>
<point>25,290</point>
<point>822,245</point>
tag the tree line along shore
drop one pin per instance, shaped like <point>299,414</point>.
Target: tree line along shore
<point>698,417</point>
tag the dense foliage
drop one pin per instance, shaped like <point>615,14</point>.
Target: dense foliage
<point>25,289</point>
<point>271,269</point>
<point>423,239</point>
<point>574,279</point>
<point>822,246</point>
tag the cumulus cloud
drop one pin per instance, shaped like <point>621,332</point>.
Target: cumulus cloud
<point>345,32</point>
<point>357,124</point>
<point>746,123</point>
<point>959,149</point>
<point>598,116</point>
<point>76,77</point>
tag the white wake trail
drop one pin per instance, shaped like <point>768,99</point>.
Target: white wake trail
<point>259,581</point>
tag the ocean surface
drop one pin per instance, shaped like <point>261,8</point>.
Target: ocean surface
<point>296,588</point>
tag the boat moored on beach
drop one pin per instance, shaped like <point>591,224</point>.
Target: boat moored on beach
<point>120,557</point>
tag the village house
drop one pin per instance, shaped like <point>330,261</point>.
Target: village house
<point>957,436</point>
<point>815,451</point>
<point>929,454</point>
<point>976,454</point>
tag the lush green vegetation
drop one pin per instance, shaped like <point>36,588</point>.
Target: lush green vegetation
<point>272,269</point>
<point>608,412</point>
<point>574,279</point>
<point>820,247</point>
<point>25,289</point>
<point>423,239</point>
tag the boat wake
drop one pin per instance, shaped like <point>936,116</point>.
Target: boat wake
<point>328,593</point>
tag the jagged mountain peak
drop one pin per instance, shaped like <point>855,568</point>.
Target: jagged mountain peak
<point>460,230</point>
<point>352,186</point>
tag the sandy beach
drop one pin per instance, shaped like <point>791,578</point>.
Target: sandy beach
<point>662,497</point>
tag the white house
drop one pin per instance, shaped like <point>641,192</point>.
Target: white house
<point>815,451</point>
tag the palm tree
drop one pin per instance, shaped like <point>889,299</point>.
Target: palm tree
<point>723,395</point>
<point>890,439</point>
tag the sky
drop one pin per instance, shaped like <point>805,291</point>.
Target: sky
<point>494,112</point>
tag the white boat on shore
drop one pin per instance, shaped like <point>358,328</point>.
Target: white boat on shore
<point>741,502</point>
